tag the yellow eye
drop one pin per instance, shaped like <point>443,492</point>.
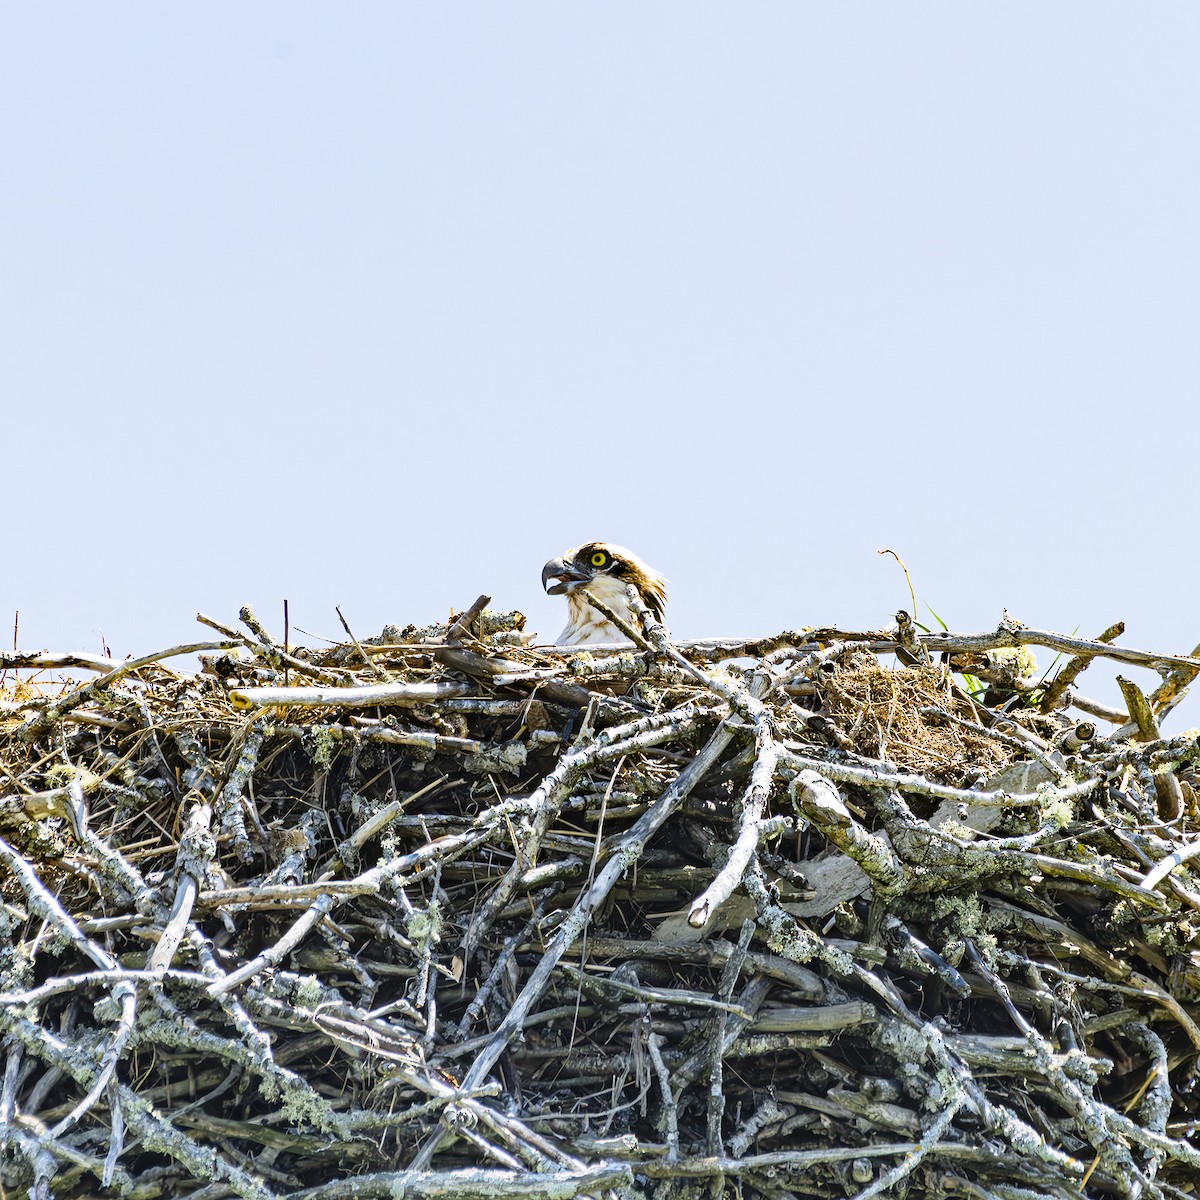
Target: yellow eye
<point>599,559</point>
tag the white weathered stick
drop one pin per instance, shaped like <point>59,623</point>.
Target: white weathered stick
<point>382,694</point>
<point>753,804</point>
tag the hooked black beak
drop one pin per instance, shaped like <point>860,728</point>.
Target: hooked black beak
<point>568,577</point>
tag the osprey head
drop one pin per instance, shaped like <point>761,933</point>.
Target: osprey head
<point>604,570</point>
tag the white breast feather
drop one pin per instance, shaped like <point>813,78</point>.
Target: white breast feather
<point>586,626</point>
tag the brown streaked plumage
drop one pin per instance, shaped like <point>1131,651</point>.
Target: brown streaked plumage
<point>604,570</point>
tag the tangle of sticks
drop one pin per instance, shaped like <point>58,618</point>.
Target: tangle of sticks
<point>826,914</point>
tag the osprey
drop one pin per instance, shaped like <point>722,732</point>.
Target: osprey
<point>604,570</point>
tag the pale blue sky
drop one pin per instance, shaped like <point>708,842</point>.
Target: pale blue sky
<point>382,305</point>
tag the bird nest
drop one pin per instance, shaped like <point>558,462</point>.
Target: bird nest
<point>438,913</point>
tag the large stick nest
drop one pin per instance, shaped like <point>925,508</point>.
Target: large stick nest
<point>820,915</point>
